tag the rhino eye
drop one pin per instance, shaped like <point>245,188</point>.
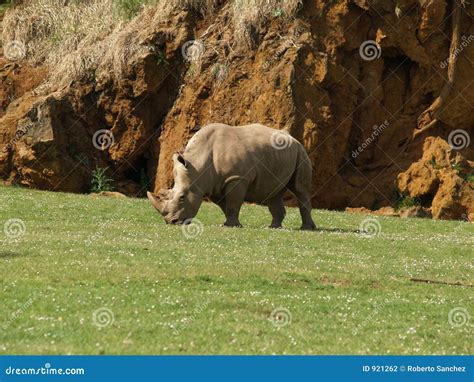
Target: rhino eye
<point>181,198</point>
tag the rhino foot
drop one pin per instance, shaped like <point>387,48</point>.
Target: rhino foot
<point>308,227</point>
<point>275,226</point>
<point>232,225</point>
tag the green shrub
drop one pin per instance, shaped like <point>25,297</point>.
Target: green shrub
<point>130,8</point>
<point>100,182</point>
<point>406,201</point>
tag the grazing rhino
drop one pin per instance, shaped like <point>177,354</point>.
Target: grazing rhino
<point>233,164</point>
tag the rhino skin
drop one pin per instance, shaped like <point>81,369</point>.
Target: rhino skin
<point>235,164</point>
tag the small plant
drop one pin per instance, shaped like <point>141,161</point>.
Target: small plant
<point>457,167</point>
<point>100,182</point>
<point>406,201</point>
<point>129,8</point>
<point>160,58</point>
<point>278,12</point>
<point>433,163</point>
<point>219,72</point>
<point>192,70</point>
<point>470,177</point>
<point>4,6</point>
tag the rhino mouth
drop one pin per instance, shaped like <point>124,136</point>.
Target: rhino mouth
<point>179,222</point>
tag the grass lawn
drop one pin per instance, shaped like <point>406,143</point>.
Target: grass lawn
<point>94,275</point>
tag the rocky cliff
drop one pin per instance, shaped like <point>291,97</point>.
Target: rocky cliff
<point>381,94</point>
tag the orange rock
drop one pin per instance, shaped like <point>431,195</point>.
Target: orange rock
<point>439,178</point>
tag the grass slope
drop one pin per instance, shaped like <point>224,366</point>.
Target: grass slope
<point>338,291</point>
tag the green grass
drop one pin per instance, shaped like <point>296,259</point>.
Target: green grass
<point>130,8</point>
<point>346,292</point>
<point>3,8</point>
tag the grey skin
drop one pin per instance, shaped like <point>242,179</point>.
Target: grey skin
<point>236,164</point>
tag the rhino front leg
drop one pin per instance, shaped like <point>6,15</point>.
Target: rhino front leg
<point>234,198</point>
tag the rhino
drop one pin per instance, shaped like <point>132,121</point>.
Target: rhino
<point>231,165</point>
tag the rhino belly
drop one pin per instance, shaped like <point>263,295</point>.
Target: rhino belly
<point>267,184</point>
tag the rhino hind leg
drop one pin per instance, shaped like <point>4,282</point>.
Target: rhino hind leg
<point>304,204</point>
<point>300,186</point>
<point>234,198</point>
<point>277,209</point>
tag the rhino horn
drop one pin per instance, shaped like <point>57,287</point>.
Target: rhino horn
<point>155,201</point>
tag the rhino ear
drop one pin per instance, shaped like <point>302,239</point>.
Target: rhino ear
<point>178,159</point>
<point>156,202</point>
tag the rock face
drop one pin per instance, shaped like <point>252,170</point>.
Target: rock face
<point>440,179</point>
<point>355,82</point>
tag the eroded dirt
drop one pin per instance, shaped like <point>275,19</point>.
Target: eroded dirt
<point>306,75</point>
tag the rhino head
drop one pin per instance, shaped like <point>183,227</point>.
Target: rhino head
<point>181,203</point>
